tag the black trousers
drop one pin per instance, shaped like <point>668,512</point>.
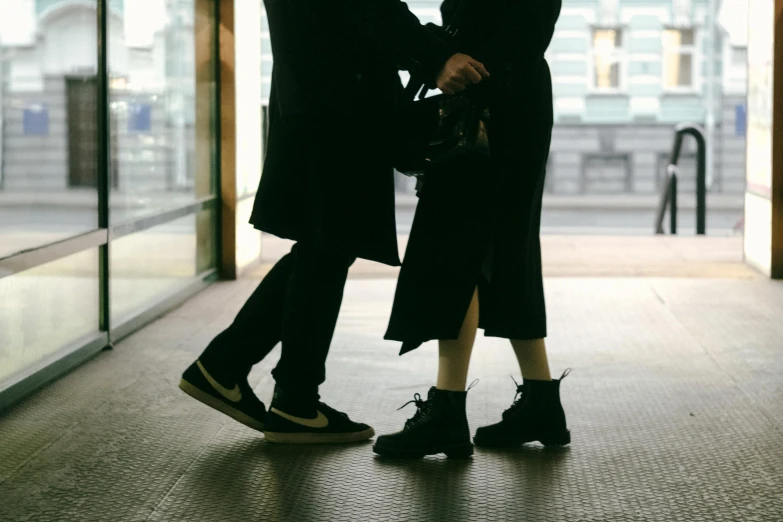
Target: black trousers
<point>297,303</point>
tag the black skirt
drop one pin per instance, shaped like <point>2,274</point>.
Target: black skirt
<point>477,225</point>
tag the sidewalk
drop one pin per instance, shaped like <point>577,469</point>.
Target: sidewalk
<point>620,202</point>
<point>86,198</point>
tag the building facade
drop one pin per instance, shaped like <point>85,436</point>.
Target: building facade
<point>625,73</point>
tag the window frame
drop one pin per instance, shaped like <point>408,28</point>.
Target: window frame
<point>696,61</point>
<point>622,58</point>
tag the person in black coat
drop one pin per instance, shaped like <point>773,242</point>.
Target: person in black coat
<point>474,258</point>
<point>327,184</point>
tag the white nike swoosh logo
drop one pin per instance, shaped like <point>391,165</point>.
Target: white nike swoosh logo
<point>234,395</point>
<point>320,420</point>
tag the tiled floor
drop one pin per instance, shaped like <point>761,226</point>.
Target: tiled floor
<point>675,405</point>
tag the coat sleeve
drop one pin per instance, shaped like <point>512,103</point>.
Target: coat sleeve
<point>516,30</point>
<point>390,25</point>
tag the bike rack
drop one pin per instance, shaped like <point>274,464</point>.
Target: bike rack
<point>669,194</point>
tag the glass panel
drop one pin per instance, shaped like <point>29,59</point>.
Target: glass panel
<point>676,38</point>
<point>46,308</point>
<point>607,72</point>
<point>679,70</point>
<point>671,39</point>
<point>685,73</point>
<point>162,115</point>
<point>149,266</point>
<point>606,46</point>
<point>678,57</point>
<point>48,168</point>
<point>606,40</point>
<point>687,37</point>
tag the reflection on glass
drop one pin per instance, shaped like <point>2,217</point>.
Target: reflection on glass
<point>148,266</point>
<point>46,308</point>
<point>606,62</point>
<point>48,169</point>
<point>156,122</point>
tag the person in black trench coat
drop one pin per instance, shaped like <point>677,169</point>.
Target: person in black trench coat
<point>327,184</point>
<point>474,257</point>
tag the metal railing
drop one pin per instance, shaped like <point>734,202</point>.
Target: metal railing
<point>669,194</point>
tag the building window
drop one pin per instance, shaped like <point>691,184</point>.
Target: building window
<point>739,56</point>
<point>679,59</point>
<point>607,59</point>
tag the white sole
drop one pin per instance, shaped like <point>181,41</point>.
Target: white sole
<point>220,406</point>
<point>318,438</point>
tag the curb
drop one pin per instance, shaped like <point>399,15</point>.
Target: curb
<point>612,203</point>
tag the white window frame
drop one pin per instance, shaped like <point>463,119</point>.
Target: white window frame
<point>622,58</point>
<point>696,62</point>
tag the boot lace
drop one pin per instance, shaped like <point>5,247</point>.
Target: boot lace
<point>422,407</point>
<point>519,400</point>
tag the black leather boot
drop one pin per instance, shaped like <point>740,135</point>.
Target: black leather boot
<point>536,415</point>
<point>439,426</point>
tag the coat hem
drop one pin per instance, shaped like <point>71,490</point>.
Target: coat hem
<point>410,344</point>
<point>291,236</point>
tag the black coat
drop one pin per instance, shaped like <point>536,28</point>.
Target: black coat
<point>327,176</point>
<point>477,224</point>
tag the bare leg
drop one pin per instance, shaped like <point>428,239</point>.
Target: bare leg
<point>532,359</point>
<point>454,355</point>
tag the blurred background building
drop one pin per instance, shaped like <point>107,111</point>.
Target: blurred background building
<point>624,71</point>
<point>48,81</point>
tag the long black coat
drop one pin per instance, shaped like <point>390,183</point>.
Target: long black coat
<point>328,175</point>
<point>477,224</point>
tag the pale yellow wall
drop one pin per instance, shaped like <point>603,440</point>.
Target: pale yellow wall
<point>764,199</point>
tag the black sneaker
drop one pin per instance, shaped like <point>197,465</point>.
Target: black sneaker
<point>291,423</point>
<point>236,399</point>
<point>535,415</point>
<point>440,425</point>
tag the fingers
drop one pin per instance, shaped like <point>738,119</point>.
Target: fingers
<point>469,73</point>
<point>460,71</point>
<point>478,66</point>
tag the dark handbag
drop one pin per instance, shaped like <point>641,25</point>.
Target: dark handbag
<point>441,129</point>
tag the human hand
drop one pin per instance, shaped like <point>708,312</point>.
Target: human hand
<point>460,71</point>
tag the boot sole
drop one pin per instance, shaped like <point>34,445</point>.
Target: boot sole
<point>550,441</point>
<point>216,404</point>
<point>462,451</point>
<point>318,438</point>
